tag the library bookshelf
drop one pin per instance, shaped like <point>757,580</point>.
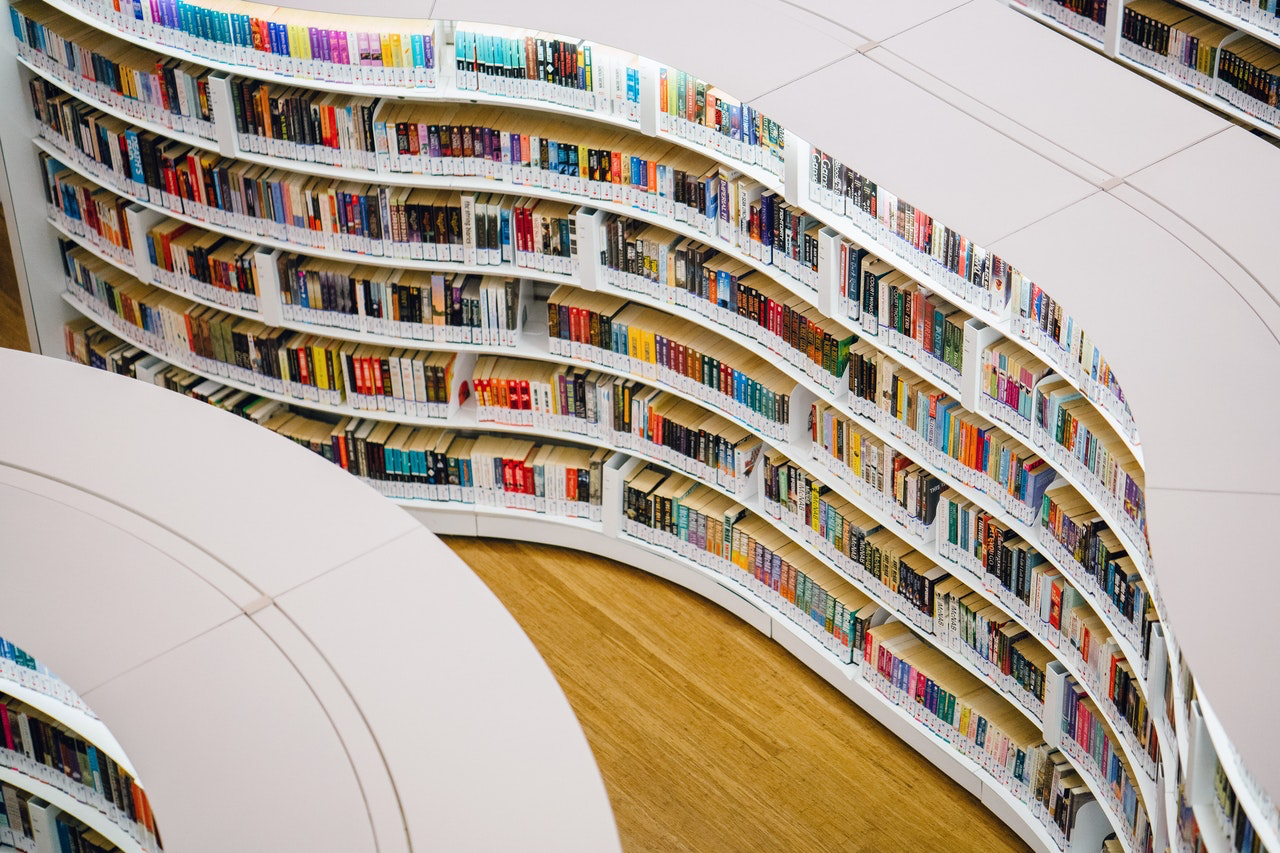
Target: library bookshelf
<point>1220,53</point>
<point>831,473</point>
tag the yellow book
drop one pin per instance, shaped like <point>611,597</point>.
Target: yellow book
<point>386,60</point>
<point>396,58</point>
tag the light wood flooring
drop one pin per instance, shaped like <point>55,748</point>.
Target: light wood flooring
<point>711,737</point>
<point>13,327</point>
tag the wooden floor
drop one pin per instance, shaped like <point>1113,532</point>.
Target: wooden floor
<point>710,736</point>
<point>13,327</point>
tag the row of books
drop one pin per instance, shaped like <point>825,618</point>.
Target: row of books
<point>1082,544</point>
<point>19,667</point>
<point>1055,611</point>
<point>409,304</point>
<point>429,463</point>
<point>1173,41</point>
<point>1040,319</point>
<point>913,321</point>
<point>212,266</point>
<point>1086,738</point>
<point>1080,441</point>
<point>622,413</point>
<point>1249,77</point>
<point>1007,385</point>
<point>546,67</point>
<point>612,332</point>
<point>937,429</point>
<point>852,540</point>
<point>97,216</point>
<point>306,367</point>
<point>978,276</point>
<point>140,83</point>
<point>43,748</point>
<point>18,827</point>
<point>1262,13</point>
<point>703,525</point>
<point>872,469</point>
<point>957,706</point>
<point>695,110</point>
<point>399,460</point>
<point>651,260</point>
<point>1236,825</point>
<point>987,637</point>
<point>302,124</point>
<point>1084,16</point>
<point>284,41</point>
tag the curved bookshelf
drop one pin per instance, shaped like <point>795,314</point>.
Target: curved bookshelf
<point>811,385</point>
<point>504,516</point>
<point>353,413</point>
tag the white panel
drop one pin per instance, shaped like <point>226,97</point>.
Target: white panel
<point>1150,304</point>
<point>73,587</point>
<point>1063,91</point>
<point>1219,187</point>
<point>234,749</point>
<point>797,42</point>
<point>979,182</point>
<point>483,747</point>
<point>1228,574</point>
<point>877,19</point>
<point>190,469</point>
<point>358,742</point>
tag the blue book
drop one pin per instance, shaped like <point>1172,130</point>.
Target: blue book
<point>419,51</point>
<point>135,155</point>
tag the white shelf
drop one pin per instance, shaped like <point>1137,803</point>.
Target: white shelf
<point>88,727</point>
<point>113,832</point>
<point>1266,824</point>
<point>1271,37</point>
<point>1213,102</point>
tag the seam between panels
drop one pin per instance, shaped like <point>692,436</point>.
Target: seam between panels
<point>333,724</point>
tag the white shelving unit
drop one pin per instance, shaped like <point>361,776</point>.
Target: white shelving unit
<point>935,92</point>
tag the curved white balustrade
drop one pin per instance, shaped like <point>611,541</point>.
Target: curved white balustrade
<point>270,640</point>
